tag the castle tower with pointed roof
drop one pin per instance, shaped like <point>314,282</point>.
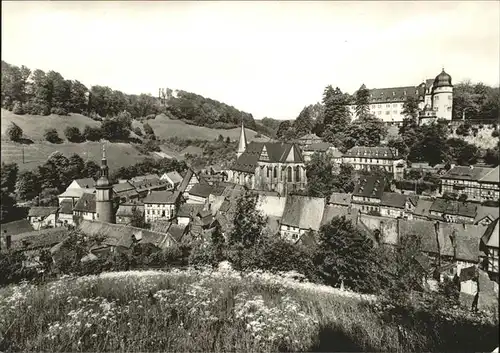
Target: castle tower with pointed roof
<point>242,143</point>
<point>104,193</point>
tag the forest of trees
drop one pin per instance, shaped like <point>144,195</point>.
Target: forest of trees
<point>41,93</point>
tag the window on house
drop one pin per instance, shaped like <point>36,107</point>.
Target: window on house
<point>387,112</point>
<point>268,172</point>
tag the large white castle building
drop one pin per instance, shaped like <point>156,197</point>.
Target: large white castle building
<point>435,98</point>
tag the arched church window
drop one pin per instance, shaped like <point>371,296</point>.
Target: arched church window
<point>275,172</point>
<point>268,172</point>
<point>289,173</point>
<point>297,173</point>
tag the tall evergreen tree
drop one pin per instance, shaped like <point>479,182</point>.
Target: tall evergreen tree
<point>336,113</point>
<point>303,125</point>
<point>362,102</point>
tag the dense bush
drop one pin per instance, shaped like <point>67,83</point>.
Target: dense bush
<point>18,108</point>
<point>14,132</point>
<point>59,111</point>
<point>494,133</point>
<point>52,136</point>
<point>92,133</point>
<point>73,134</point>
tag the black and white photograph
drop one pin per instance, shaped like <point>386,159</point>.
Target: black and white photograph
<point>250,176</point>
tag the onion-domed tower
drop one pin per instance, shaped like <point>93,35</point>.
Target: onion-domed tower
<point>442,96</point>
<point>104,193</point>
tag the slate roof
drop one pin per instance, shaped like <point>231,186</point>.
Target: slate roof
<point>126,210</point>
<point>466,173</point>
<point>42,211</point>
<point>160,226</point>
<point>393,199</point>
<point>306,137</point>
<point>332,211</point>
<point>485,211</point>
<point>122,187</point>
<point>86,203</point>
<point>277,153</point>
<point>76,193</point>
<point>424,261</point>
<point>490,236</point>
<point>340,198</point>
<point>468,273</point>
<point>371,152</point>
<point>370,186</point>
<point>202,190</point>
<point>149,177</point>
<point>185,181</point>
<point>122,235</point>
<point>85,183</point>
<point>467,238</point>
<point>66,207</point>
<point>422,208</point>
<point>175,177</point>
<point>149,184</point>
<point>395,94</point>
<point>303,212</point>
<point>16,227</point>
<point>491,177</point>
<point>320,147</point>
<point>37,239</point>
<point>177,231</point>
<point>189,210</point>
<point>453,207</point>
<point>162,197</point>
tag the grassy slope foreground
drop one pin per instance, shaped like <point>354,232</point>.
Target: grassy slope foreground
<point>197,310</point>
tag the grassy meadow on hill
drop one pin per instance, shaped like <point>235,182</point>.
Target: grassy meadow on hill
<point>165,127</point>
<point>213,311</point>
<point>119,154</point>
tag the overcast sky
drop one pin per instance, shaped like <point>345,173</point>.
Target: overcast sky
<point>266,58</point>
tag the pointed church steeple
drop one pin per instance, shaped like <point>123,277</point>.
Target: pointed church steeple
<point>104,193</point>
<point>242,143</point>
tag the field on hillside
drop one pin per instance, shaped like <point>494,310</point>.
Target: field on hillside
<point>164,128</point>
<point>204,310</point>
<point>34,125</point>
<point>118,154</point>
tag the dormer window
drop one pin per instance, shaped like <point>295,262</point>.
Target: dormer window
<point>393,93</point>
<point>405,93</point>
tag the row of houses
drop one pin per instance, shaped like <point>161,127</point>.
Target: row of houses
<point>370,197</point>
<point>298,218</point>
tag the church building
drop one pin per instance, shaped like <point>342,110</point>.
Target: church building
<point>272,166</point>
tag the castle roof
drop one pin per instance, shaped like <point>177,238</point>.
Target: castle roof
<point>442,80</point>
